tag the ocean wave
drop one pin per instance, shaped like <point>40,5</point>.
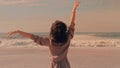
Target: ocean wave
<point>77,41</point>
<point>18,43</point>
<point>93,41</point>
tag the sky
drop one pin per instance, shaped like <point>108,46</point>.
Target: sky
<point>38,15</point>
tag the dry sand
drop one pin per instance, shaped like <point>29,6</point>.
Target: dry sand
<point>78,57</point>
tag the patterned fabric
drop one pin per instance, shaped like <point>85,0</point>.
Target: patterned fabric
<point>58,54</point>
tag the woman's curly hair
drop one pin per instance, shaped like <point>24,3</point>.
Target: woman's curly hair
<point>59,32</point>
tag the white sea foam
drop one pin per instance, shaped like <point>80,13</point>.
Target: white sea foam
<point>92,41</point>
<point>77,41</point>
<point>18,43</point>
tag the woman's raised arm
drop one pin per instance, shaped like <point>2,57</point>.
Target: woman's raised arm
<point>36,38</point>
<point>76,4</point>
<point>24,34</point>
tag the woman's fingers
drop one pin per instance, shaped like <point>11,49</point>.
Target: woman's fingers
<point>10,33</point>
<point>77,2</point>
<point>76,5</point>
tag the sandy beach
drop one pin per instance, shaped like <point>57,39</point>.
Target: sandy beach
<point>78,57</point>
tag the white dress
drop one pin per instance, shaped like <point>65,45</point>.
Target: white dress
<point>58,54</point>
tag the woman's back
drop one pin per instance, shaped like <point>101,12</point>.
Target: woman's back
<point>58,51</point>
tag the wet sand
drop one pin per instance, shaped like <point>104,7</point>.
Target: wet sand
<point>78,57</point>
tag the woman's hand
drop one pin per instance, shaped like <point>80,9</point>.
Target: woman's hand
<point>24,34</point>
<point>12,32</point>
<point>76,4</point>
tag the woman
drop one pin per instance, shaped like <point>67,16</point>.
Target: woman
<point>58,41</point>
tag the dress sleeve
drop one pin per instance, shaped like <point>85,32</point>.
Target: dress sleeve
<point>44,41</point>
<point>71,30</point>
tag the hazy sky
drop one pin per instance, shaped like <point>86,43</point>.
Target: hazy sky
<point>38,15</point>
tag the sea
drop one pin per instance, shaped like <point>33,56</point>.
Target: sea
<point>113,40</point>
